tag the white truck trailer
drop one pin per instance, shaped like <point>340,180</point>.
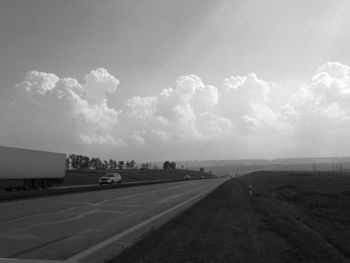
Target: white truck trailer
<point>29,169</point>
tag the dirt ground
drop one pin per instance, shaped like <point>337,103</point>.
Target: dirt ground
<point>231,226</point>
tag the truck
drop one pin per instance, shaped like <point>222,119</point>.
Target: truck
<point>24,169</point>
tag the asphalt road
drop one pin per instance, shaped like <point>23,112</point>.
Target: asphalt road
<point>89,226</point>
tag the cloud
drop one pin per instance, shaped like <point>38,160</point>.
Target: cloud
<point>63,111</point>
<point>35,85</point>
<point>186,111</point>
<point>97,84</point>
<point>191,120</point>
<point>327,96</point>
<point>245,101</point>
<point>320,112</point>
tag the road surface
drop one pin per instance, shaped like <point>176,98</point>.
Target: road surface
<point>89,226</point>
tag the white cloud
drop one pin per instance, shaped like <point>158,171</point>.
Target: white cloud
<point>57,106</point>
<point>98,83</point>
<point>320,112</point>
<point>180,113</point>
<point>245,101</point>
<point>327,95</point>
<point>35,85</point>
<point>191,120</point>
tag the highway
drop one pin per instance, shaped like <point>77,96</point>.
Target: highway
<point>91,226</point>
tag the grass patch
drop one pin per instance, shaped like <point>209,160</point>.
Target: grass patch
<point>292,217</point>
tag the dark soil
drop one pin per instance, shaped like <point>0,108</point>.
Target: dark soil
<point>289,218</point>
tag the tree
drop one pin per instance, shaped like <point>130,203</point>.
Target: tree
<point>166,165</point>
<point>120,164</point>
<point>68,163</point>
<point>96,163</point>
<point>112,165</point>
<point>132,164</point>
<point>75,161</point>
<point>84,162</point>
<point>169,165</point>
<point>144,166</point>
<point>105,165</point>
<point>201,169</point>
<point>172,165</point>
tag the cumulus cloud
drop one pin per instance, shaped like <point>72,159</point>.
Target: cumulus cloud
<point>98,83</point>
<point>35,85</point>
<point>245,101</point>
<point>64,111</point>
<point>326,96</point>
<point>191,120</point>
<point>186,111</point>
<point>320,111</point>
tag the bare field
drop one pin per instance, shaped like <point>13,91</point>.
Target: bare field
<point>292,217</point>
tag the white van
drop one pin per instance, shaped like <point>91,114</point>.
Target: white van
<point>110,178</point>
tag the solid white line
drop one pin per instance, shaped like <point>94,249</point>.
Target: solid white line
<point>80,256</point>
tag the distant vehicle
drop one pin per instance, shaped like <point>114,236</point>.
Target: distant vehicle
<point>110,178</point>
<point>23,169</point>
<point>187,177</point>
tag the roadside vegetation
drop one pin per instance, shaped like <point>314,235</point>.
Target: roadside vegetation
<point>82,170</point>
<point>291,217</point>
<point>81,162</point>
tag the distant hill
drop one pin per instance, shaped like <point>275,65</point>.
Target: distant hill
<point>225,167</point>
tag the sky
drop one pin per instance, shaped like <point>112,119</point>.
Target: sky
<point>159,80</point>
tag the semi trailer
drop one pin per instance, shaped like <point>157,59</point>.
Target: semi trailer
<point>24,169</point>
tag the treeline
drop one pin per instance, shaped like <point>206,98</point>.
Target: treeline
<point>81,162</point>
<point>77,162</point>
<point>169,165</point>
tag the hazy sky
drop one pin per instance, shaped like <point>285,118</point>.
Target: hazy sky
<point>180,79</point>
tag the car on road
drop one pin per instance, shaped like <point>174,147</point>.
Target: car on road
<point>110,178</point>
<point>187,177</point>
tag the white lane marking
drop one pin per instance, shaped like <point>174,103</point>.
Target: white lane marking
<point>85,204</point>
<point>80,256</point>
<point>42,200</point>
<point>81,215</point>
